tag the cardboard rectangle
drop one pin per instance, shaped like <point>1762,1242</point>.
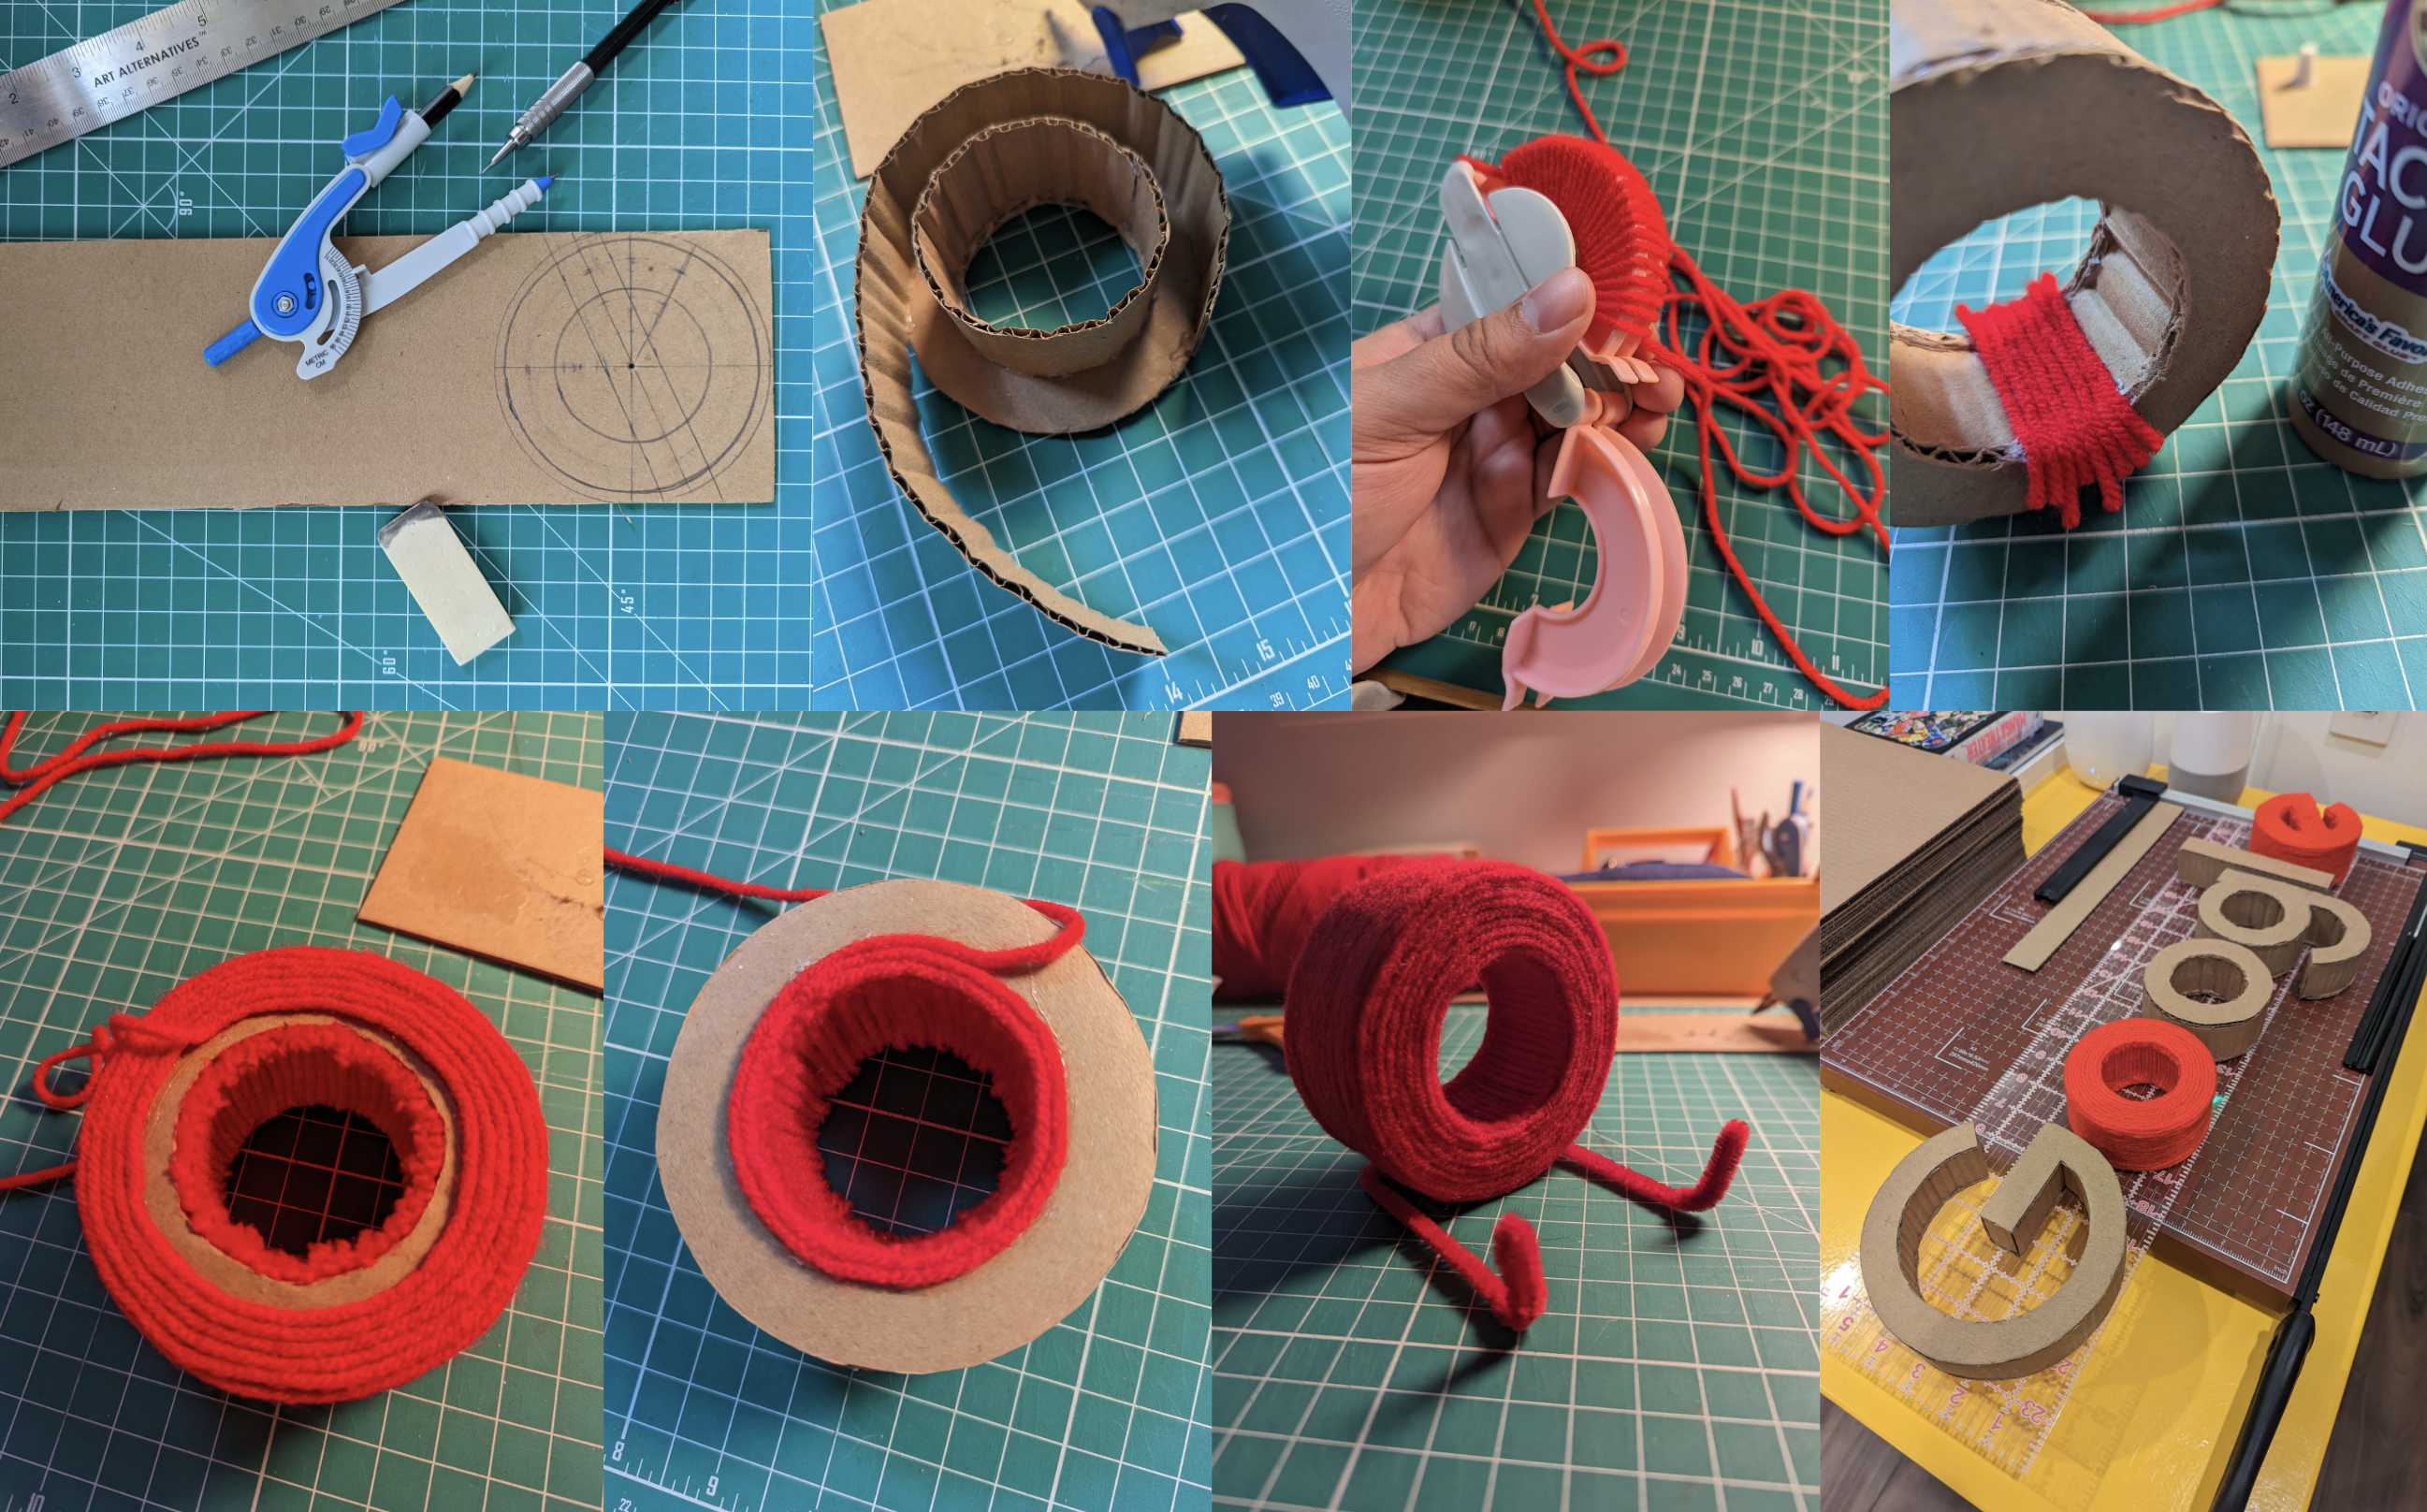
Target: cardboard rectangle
<point>2202,862</point>
<point>893,58</point>
<point>502,866</point>
<point>2032,950</point>
<point>2322,113</point>
<point>542,369</point>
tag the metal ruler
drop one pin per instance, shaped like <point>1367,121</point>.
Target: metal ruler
<point>158,58</point>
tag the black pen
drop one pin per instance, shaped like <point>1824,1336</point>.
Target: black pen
<point>566,88</point>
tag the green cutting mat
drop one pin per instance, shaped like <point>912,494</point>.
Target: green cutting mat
<point>1763,129</point>
<point>119,883</point>
<point>706,122</point>
<point>1108,1408</point>
<point>1217,515</point>
<point>2242,573</point>
<point>1669,1371</point>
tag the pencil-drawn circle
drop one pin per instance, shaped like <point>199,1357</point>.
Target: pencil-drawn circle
<point>634,366</point>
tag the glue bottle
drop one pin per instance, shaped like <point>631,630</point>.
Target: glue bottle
<point>2358,394</point>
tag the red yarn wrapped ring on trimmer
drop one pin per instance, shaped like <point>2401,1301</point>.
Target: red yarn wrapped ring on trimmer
<point>2292,827</point>
<point>2133,1135</point>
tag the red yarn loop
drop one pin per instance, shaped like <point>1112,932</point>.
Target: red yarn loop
<point>340,1351</point>
<point>302,1066</point>
<point>67,763</point>
<point>2136,1136</point>
<point>2074,427</point>
<point>1366,1003</point>
<point>1784,362</point>
<point>2292,827</point>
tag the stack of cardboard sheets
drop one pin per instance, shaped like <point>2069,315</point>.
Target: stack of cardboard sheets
<point>1914,841</point>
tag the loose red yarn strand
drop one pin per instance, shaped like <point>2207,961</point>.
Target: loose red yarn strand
<point>708,881</point>
<point>1773,350</point>
<point>2138,18</point>
<point>41,775</point>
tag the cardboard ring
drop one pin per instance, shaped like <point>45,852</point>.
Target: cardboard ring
<point>1004,172</point>
<point>2267,918</point>
<point>2219,968</point>
<point>1039,1277</point>
<point>1996,106</point>
<point>215,1266</point>
<point>899,312</point>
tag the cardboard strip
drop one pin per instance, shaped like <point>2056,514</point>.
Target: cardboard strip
<point>1033,1283</point>
<point>904,309</point>
<point>542,369</point>
<point>2032,950</point>
<point>2200,862</point>
<point>1996,106</point>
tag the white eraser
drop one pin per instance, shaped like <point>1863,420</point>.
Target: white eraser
<point>444,581</point>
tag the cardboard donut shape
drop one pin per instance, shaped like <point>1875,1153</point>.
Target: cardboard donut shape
<point>2057,1161</point>
<point>1996,106</point>
<point>2235,980</point>
<point>2267,918</point>
<point>980,155</point>
<point>1025,1287</point>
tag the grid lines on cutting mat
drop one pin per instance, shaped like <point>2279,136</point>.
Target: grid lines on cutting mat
<point>2243,572</point>
<point>1217,515</point>
<point>704,122</point>
<point>114,885</point>
<point>1098,811</point>
<point>1662,1375</point>
<point>1764,132</point>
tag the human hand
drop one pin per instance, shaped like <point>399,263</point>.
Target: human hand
<point>1449,465</point>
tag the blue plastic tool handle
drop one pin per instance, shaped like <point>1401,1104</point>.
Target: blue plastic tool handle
<point>229,345</point>
<point>1122,45</point>
<point>287,299</point>
<point>363,144</point>
<point>1281,68</point>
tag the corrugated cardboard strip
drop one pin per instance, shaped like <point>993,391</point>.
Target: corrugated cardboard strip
<point>893,58</point>
<point>1031,1284</point>
<point>987,153</point>
<point>1996,106</point>
<point>542,368</point>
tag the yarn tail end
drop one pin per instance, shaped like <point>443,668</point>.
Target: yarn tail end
<point>1727,1154</point>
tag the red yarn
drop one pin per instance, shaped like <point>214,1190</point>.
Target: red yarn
<point>708,881</point>
<point>1517,1295</point>
<point>890,992</point>
<point>2136,18</point>
<point>894,991</point>
<point>2074,427</point>
<point>1770,360</point>
<point>302,1066</point>
<point>1622,240</point>
<point>67,763</point>
<point>348,1350</point>
<point>2290,827</point>
<point>2139,1136</point>
<point>1365,1009</point>
<point>1264,911</point>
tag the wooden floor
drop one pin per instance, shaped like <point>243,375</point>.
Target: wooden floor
<point>2376,1458</point>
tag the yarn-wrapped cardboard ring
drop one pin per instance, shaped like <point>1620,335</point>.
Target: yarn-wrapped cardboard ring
<point>1033,1282</point>
<point>1996,106</point>
<point>2231,974</point>
<point>903,310</point>
<point>2293,828</point>
<point>1004,172</point>
<point>1366,1002</point>
<point>2136,1136</point>
<point>428,1293</point>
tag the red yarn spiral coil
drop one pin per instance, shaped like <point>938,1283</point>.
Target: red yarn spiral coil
<point>1365,1009</point>
<point>2139,1136</point>
<point>896,991</point>
<point>348,1350</point>
<point>2292,827</point>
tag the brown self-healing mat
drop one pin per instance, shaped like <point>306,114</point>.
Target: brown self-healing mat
<point>1947,1040</point>
<point>1915,841</point>
<point>540,368</point>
